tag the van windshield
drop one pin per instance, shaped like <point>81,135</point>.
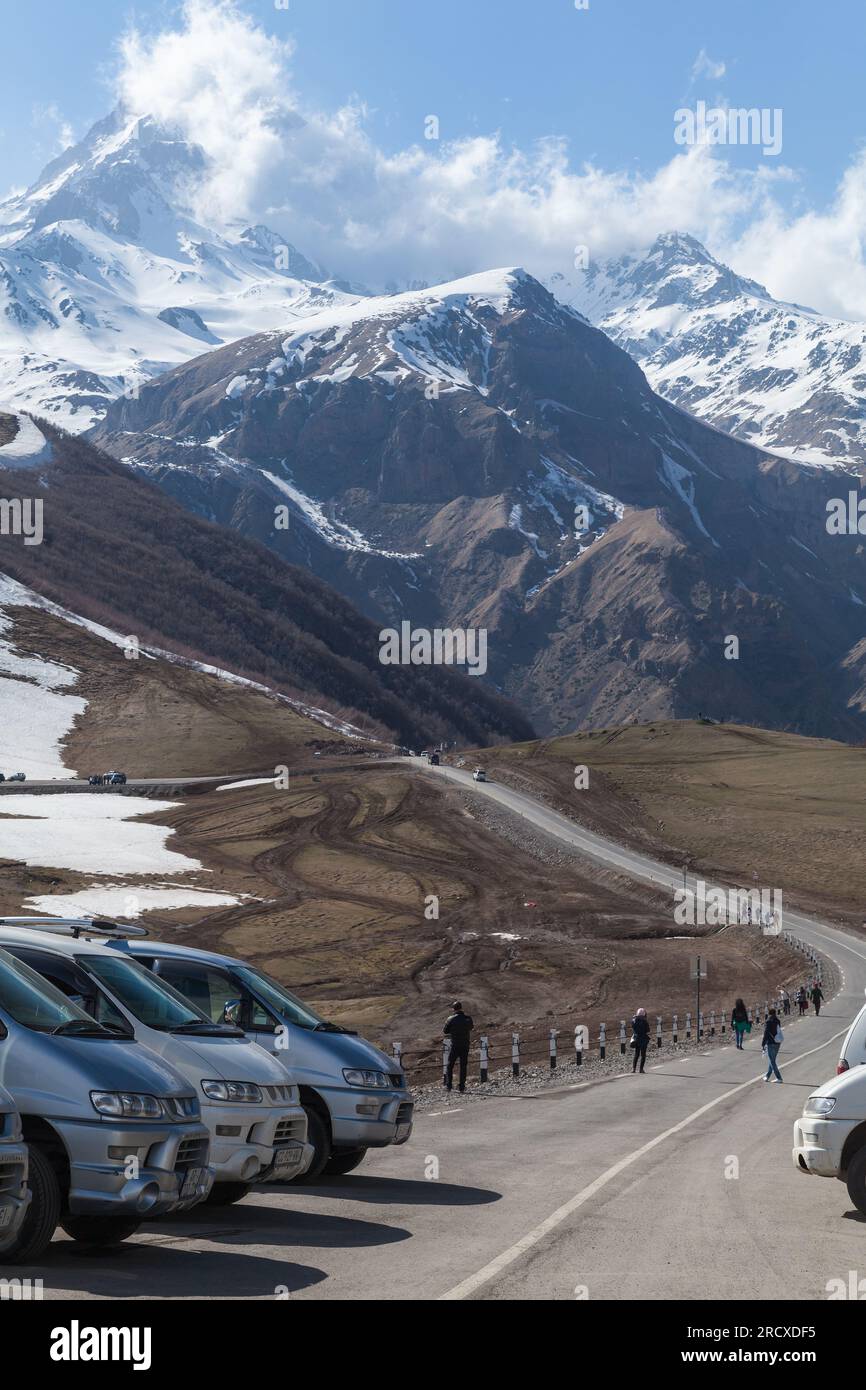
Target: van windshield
<point>34,1003</point>
<point>151,1000</point>
<point>280,999</point>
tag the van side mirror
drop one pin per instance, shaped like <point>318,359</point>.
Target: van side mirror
<point>232,1012</point>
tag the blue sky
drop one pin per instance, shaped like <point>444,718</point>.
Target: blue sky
<point>606,81</point>
<point>608,78</point>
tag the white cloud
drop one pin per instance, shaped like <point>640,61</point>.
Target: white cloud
<point>52,127</point>
<point>705,66</point>
<point>435,210</point>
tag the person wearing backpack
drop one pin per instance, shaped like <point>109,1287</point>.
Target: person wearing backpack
<point>817,997</point>
<point>740,1023</point>
<point>772,1041</point>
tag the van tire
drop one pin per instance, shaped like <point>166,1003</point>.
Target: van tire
<point>855,1180</point>
<point>224,1194</point>
<point>43,1214</point>
<point>318,1134</point>
<point>345,1162</point>
<point>100,1230</point>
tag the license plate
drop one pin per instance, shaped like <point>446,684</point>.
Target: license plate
<point>192,1182</point>
<point>5,1217</point>
<point>287,1158</point>
<point>403,1132</point>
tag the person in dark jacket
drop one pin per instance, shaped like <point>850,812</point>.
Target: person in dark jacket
<point>640,1033</point>
<point>459,1029</point>
<point>771,1043</point>
<point>740,1022</point>
<point>817,996</point>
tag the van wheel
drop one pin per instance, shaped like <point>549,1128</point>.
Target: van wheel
<point>345,1162</point>
<point>223,1194</point>
<point>100,1230</point>
<point>319,1137</point>
<point>855,1180</point>
<point>43,1214</point>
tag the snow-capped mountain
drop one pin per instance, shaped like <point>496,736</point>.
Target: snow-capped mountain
<point>105,280</point>
<point>477,455</point>
<point>779,375</point>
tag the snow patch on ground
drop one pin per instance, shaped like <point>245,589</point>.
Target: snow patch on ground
<point>29,448</point>
<point>89,834</point>
<point>35,714</point>
<point>119,900</point>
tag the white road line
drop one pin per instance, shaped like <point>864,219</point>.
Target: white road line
<point>495,1267</point>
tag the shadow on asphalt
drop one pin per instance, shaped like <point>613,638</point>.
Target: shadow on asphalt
<point>270,1225</point>
<point>409,1191</point>
<point>138,1269</point>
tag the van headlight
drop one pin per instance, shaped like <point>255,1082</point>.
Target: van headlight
<point>245,1092</point>
<point>127,1105</point>
<point>373,1080</point>
<point>819,1105</point>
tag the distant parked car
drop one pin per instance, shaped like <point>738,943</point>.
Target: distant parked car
<point>479,775</point>
<point>114,779</point>
<point>17,777</point>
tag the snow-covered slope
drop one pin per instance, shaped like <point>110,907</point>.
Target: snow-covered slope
<point>778,375</point>
<point>105,280</point>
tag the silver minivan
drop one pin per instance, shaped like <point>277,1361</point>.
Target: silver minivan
<point>258,1128</point>
<point>14,1192</point>
<point>355,1096</point>
<point>114,1135</point>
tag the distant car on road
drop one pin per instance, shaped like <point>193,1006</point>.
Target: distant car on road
<point>17,777</point>
<point>479,775</point>
<point>114,779</point>
<point>433,760</point>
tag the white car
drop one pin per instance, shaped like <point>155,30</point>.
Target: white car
<point>252,1109</point>
<point>830,1136</point>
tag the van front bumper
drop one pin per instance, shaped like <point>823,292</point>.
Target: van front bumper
<point>362,1119</point>
<point>264,1143</point>
<point>14,1192</point>
<point>151,1170</point>
<point>818,1145</point>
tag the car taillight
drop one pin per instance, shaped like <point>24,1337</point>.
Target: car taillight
<point>842,1067</point>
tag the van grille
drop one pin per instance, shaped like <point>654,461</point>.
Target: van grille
<point>192,1153</point>
<point>288,1129</point>
<point>278,1095</point>
<point>184,1107</point>
<point>11,1177</point>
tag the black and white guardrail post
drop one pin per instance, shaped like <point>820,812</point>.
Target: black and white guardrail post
<point>552,1048</point>
<point>688,1026</point>
<point>446,1048</point>
<point>515,1054</point>
<point>712,1023</point>
<point>581,1043</point>
<point>658,1031</point>
<point>676,1031</point>
<point>622,1037</point>
<point>485,1050</point>
<point>602,1045</point>
<point>397,1053</point>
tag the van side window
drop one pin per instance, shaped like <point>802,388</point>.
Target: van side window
<point>210,989</point>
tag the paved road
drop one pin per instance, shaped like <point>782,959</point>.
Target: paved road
<point>677,1184</point>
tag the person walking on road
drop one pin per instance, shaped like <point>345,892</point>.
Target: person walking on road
<point>802,1000</point>
<point>786,1002</point>
<point>817,997</point>
<point>740,1022</point>
<point>772,1041</point>
<point>640,1033</point>
<point>459,1029</point>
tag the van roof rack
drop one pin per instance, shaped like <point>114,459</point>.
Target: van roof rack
<point>75,926</point>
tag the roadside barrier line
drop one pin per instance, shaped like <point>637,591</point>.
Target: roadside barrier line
<point>495,1267</point>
